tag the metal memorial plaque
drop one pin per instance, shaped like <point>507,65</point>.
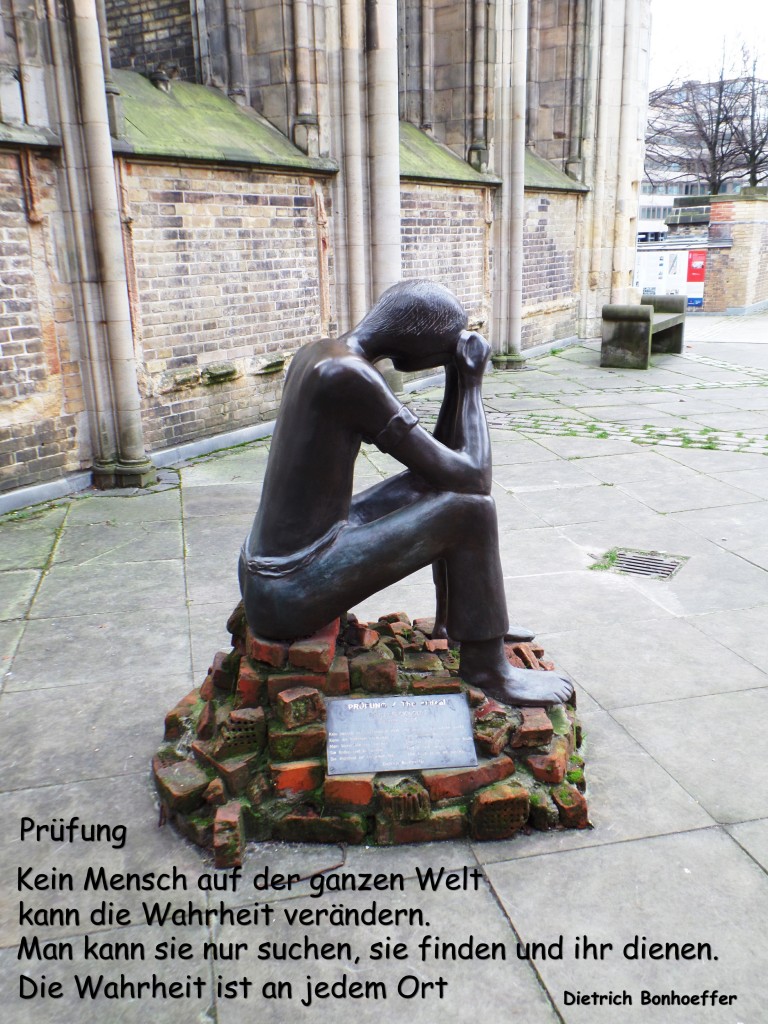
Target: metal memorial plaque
<point>385,734</point>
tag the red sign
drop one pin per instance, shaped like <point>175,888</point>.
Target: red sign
<point>697,264</point>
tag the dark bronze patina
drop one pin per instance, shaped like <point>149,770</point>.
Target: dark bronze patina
<point>315,550</point>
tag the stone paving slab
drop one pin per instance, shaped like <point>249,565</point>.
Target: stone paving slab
<point>142,508</point>
<point>697,886</point>
<point>742,631</point>
<point>114,543</point>
<point>630,797</point>
<point>572,600</point>
<point>17,588</point>
<point>664,496</point>
<point>91,731</point>
<point>580,504</point>
<point>28,538</point>
<point>752,836</point>
<point>131,645</point>
<point>517,993</point>
<point>712,745</point>
<point>126,1010</point>
<point>647,662</point>
<point>708,583</point>
<point>145,848</point>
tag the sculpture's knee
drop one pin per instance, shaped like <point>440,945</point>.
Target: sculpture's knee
<point>476,509</point>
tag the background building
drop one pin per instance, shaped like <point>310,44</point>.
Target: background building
<point>192,188</point>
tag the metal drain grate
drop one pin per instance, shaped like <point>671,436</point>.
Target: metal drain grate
<point>654,564</point>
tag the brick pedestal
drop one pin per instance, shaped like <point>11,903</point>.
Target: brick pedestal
<point>244,755</point>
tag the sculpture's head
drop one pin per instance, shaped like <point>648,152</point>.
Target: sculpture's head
<point>416,324</point>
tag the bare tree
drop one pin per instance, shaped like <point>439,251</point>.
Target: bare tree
<point>750,123</point>
<point>691,132</point>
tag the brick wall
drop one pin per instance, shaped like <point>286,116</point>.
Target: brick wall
<point>737,276</point>
<point>143,34</point>
<point>550,302</point>
<point>226,270</point>
<point>445,234</point>
<point>41,395</point>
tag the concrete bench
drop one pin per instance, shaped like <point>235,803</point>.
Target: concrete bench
<point>631,333</point>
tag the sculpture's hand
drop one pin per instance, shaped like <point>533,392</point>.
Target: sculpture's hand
<point>472,355</point>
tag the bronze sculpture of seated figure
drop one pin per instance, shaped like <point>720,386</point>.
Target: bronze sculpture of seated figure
<point>315,550</point>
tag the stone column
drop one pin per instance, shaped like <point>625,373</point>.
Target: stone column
<point>509,160</point>
<point>132,467</point>
<point>383,142</point>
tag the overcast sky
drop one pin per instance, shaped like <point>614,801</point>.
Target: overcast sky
<point>687,37</point>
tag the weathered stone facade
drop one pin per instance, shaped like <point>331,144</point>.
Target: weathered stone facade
<point>283,222</point>
<point>42,433</point>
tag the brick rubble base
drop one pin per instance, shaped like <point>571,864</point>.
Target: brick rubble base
<point>244,755</point>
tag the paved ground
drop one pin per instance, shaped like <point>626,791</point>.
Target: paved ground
<point>112,605</point>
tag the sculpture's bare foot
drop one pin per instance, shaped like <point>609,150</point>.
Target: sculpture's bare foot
<point>484,664</point>
<point>519,635</point>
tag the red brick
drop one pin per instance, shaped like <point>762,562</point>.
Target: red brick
<point>270,652</point>
<point>181,785</point>
<point>349,790</point>
<point>236,771</point>
<point>373,672</point>
<point>491,737</point>
<point>228,836</point>
<point>422,661</point>
<point>499,811</point>
<point>298,706</point>
<point>571,806</point>
<point>176,722</point>
<point>490,707</point>
<point>436,645</point>
<point>446,783</point>
<point>258,788</point>
<point>525,653</point>
<point>317,651</point>
<point>406,800</point>
<point>244,731</point>
<point>251,685</point>
<point>297,776</point>
<point>221,670</point>
<point>476,696</point>
<point>437,684</point>
<point>215,794</point>
<point>425,626</point>
<point>360,635</point>
<point>236,624</point>
<point>276,684</point>
<point>308,827</point>
<point>206,723</point>
<point>337,680</point>
<point>535,730</point>
<point>550,767</point>
<point>396,617</point>
<point>296,744</point>
<point>445,823</point>
<point>512,658</point>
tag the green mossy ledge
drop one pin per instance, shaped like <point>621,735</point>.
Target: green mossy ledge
<point>244,756</point>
